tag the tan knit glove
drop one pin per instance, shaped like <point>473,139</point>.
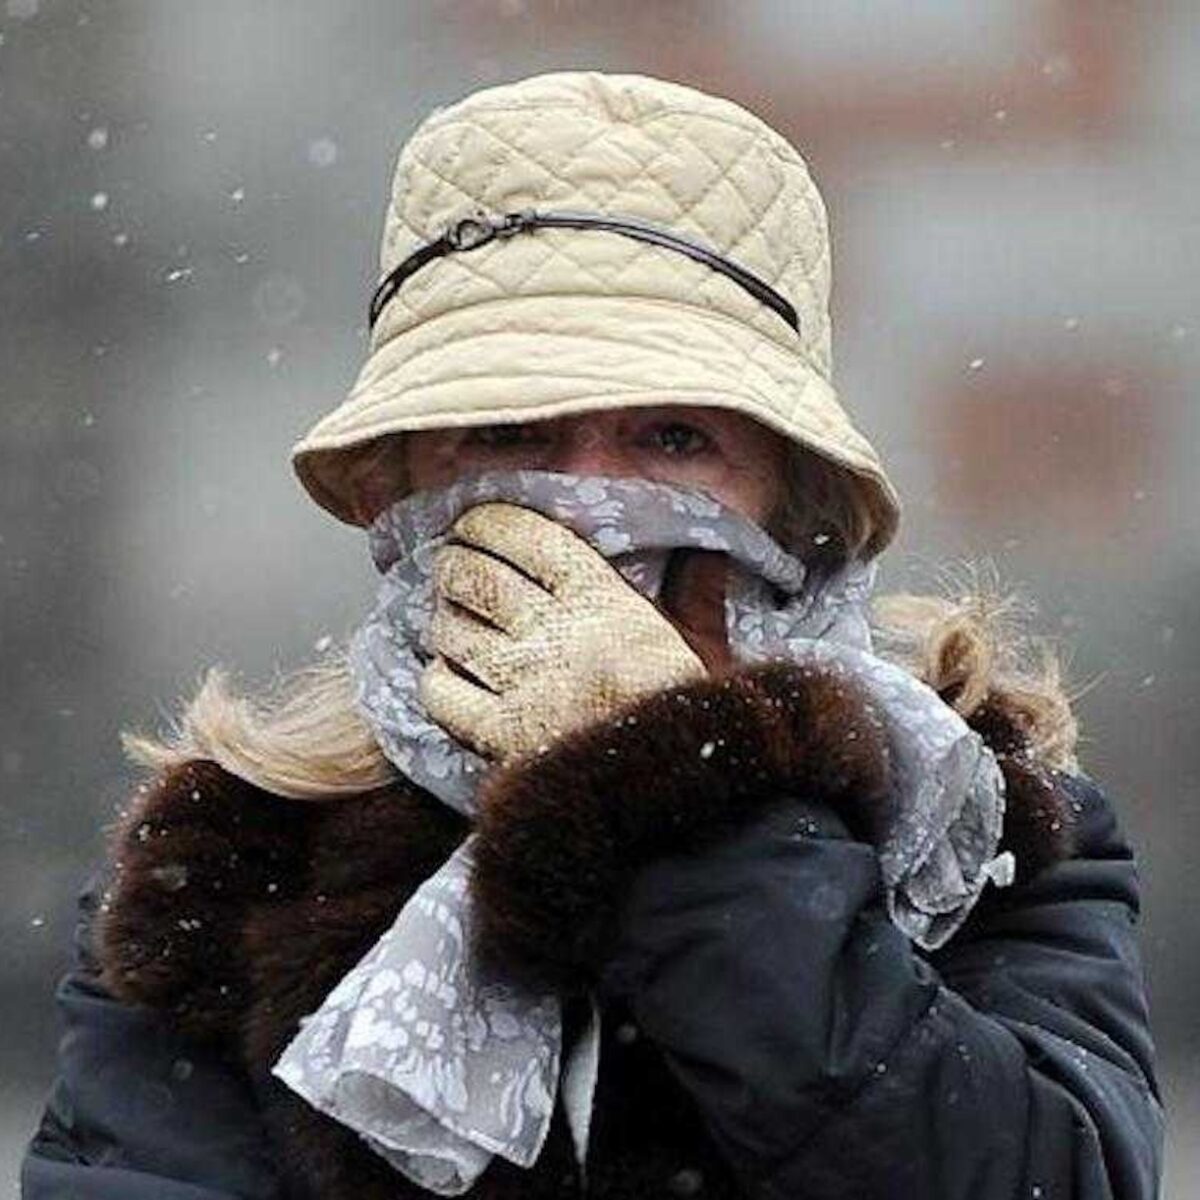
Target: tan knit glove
<point>551,655</point>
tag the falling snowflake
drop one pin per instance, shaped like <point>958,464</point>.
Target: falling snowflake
<point>1058,68</point>
<point>172,876</point>
<point>322,152</point>
<point>279,299</point>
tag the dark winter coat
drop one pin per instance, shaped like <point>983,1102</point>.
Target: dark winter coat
<point>767,1031</point>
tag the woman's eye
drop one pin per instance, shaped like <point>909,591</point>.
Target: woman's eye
<point>501,436</point>
<point>682,439</point>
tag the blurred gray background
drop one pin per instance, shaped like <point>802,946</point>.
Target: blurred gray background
<point>191,198</point>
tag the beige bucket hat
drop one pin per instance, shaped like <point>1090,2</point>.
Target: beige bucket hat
<point>578,240</point>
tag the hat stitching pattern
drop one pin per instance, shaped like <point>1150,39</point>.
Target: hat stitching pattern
<point>476,334</point>
<point>780,150</point>
<point>754,222</point>
<point>637,259</point>
<point>614,102</point>
<point>758,140</point>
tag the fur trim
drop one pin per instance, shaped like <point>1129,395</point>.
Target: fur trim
<point>192,850</point>
<point>560,835</point>
<point>1039,817</point>
<point>281,897</point>
<point>370,854</point>
<point>221,892</point>
<point>215,884</point>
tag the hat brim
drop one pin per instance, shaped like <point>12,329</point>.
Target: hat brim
<point>536,357</point>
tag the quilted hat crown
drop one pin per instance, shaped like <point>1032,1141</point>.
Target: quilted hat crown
<point>621,145</point>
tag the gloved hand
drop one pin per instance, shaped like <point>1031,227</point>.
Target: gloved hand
<point>563,641</point>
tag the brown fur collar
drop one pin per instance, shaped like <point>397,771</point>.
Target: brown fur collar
<point>215,880</point>
<point>558,844</point>
<point>561,838</point>
<point>238,910</point>
<point>202,862</point>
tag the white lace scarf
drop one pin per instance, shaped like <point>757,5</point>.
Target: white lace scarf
<point>439,1066</point>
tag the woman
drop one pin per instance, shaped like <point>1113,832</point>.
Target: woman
<point>614,805</point>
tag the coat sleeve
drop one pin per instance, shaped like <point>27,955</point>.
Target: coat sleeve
<point>138,1110</point>
<point>828,1056</point>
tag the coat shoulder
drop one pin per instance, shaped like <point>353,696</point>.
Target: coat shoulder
<point>192,848</point>
<point>198,851</point>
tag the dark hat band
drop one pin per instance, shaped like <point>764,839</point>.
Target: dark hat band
<point>469,233</point>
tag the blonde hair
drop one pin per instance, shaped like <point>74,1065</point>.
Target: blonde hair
<point>305,738</point>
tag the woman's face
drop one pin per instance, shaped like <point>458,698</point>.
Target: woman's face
<point>731,456</point>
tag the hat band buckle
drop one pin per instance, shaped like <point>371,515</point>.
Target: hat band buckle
<point>469,233</point>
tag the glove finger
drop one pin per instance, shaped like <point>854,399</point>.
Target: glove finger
<point>558,558</point>
<point>488,653</point>
<point>489,588</point>
<point>465,711</point>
